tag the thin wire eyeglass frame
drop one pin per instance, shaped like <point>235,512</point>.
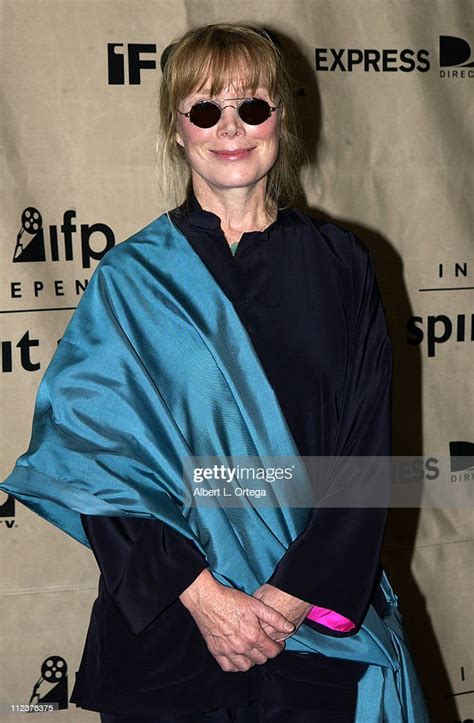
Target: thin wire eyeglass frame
<point>271,109</point>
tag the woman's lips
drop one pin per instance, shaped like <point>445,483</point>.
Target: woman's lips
<point>236,155</point>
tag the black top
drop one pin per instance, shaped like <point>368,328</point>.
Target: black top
<point>306,293</point>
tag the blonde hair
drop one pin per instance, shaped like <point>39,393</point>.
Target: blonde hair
<point>214,53</point>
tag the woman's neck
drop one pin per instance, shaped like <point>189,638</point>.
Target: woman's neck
<point>240,209</point>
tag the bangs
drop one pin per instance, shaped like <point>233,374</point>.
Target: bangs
<point>215,67</point>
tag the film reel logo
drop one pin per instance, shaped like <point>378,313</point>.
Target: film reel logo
<point>32,248</point>
<point>64,242</point>
<point>52,685</point>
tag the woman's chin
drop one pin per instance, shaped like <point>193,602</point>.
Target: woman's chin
<point>234,180</point>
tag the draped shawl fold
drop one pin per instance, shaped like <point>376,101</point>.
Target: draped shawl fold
<point>155,366</point>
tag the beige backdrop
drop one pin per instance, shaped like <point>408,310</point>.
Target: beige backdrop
<point>390,157</point>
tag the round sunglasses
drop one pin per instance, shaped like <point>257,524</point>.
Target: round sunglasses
<point>253,111</point>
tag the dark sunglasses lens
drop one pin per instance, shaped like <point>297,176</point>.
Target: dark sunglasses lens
<point>254,111</point>
<point>204,115</point>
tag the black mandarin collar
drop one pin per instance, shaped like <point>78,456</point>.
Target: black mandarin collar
<point>240,275</point>
<point>195,218</point>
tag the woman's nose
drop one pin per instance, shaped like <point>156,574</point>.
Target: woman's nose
<point>230,121</point>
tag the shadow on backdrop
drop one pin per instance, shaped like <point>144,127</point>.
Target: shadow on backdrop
<point>402,525</point>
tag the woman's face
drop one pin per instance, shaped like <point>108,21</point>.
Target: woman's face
<point>231,154</point>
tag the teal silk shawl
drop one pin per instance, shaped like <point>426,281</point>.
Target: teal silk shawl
<point>155,366</point>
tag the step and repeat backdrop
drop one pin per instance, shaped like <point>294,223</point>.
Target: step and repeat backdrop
<point>384,92</point>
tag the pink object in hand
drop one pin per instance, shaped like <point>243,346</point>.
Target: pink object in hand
<point>330,619</point>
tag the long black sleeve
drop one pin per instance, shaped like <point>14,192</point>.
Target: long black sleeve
<point>145,564</point>
<point>334,561</point>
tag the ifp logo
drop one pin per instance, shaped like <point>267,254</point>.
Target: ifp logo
<point>130,56</point>
<point>34,242</point>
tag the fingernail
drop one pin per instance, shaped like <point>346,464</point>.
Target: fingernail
<point>289,626</point>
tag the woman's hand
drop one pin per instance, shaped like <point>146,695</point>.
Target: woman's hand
<point>231,621</point>
<point>294,609</point>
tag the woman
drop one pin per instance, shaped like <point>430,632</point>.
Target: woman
<point>235,325</point>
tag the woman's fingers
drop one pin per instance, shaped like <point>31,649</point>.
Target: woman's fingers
<point>271,616</point>
<point>236,664</point>
<point>274,633</point>
<point>240,663</point>
<point>252,643</point>
<point>270,648</point>
<point>244,662</point>
<point>226,664</point>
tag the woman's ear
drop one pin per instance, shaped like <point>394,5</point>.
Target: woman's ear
<point>178,139</point>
